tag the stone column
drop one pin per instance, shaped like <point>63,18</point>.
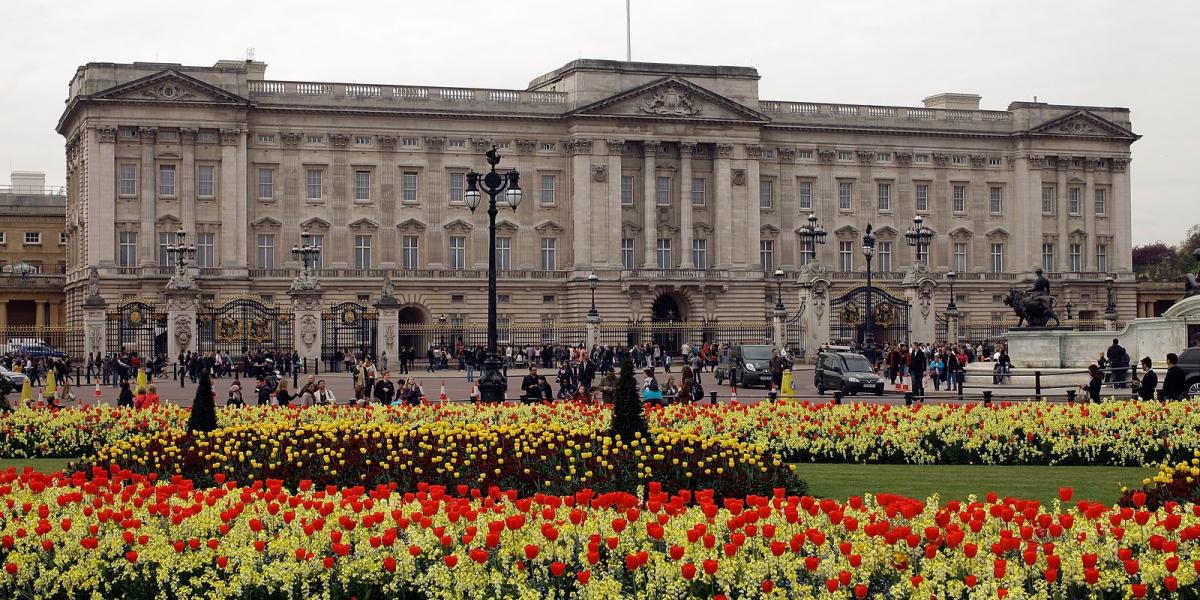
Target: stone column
<point>39,313</point>
<point>306,319</point>
<point>650,224</point>
<point>95,326</point>
<point>4,314</point>
<point>723,210</point>
<point>388,332</point>
<point>186,181</point>
<point>1063,216</point>
<point>813,298</point>
<point>101,198</point>
<point>581,174</point>
<point>148,197</point>
<point>753,230</point>
<point>685,205</point>
<point>235,228</point>
<point>922,319</point>
<point>612,232</point>
<point>952,328</point>
<point>181,321</point>
<point>593,331</point>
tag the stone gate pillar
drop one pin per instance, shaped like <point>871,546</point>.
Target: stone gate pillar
<point>593,331</point>
<point>95,326</point>
<point>389,337</point>
<point>778,338</point>
<point>306,319</point>
<point>918,292</point>
<point>181,321</point>
<point>813,297</point>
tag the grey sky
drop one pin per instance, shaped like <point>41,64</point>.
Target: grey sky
<point>1102,52</point>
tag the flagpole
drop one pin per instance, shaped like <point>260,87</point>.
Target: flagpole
<point>628,42</point>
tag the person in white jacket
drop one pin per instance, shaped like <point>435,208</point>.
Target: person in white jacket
<point>323,395</point>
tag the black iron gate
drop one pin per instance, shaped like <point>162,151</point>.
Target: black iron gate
<point>137,326</point>
<point>242,325</point>
<point>350,327</point>
<point>848,317</point>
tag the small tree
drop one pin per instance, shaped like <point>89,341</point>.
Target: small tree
<point>627,416</point>
<point>204,410</point>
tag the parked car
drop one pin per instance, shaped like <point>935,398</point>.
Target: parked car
<point>18,379</point>
<point>41,351</point>
<point>757,371</point>
<point>848,372</point>
<point>14,345</point>
<point>1189,361</point>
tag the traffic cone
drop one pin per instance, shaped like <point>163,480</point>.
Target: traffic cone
<point>442,394</point>
<point>732,394</point>
<point>98,393</point>
<point>475,393</point>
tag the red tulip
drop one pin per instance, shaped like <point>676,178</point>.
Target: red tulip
<point>767,586</point>
<point>1139,500</point>
<point>222,561</point>
<point>451,560</point>
<point>328,562</point>
<point>11,568</point>
<point>710,567</point>
<point>1138,589</point>
<point>558,568</point>
<point>971,580</point>
<point>1065,493</point>
<point>131,556</point>
<point>1170,583</point>
<point>583,577</point>
<point>860,591</point>
<point>531,551</point>
<point>811,563</point>
<point>688,570</point>
<point>676,552</point>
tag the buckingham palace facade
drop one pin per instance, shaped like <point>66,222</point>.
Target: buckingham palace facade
<point>676,184</point>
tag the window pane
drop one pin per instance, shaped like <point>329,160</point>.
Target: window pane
<point>766,254</point>
<point>1102,258</point>
<point>885,257</point>
<point>1048,257</point>
<point>664,254</point>
<point>996,197</point>
<point>206,250</point>
<point>457,186</point>
<point>1101,201</point>
<point>165,241</point>
<point>805,195</point>
<point>362,252</point>
<point>266,183</point>
<point>1047,200</point>
<point>362,185</point>
<point>844,191</point>
<point>846,256</point>
<point>922,198</point>
<point>548,189</point>
<point>503,253</point>
<point>204,180</point>
<point>997,258</point>
<point>129,181</point>
<point>700,254</point>
<point>960,198</point>
<point>766,193</point>
<point>885,196</point>
<point>960,256</point>
<point>549,260</point>
<point>626,190</point>
<point>698,189</point>
<point>662,191</point>
<point>166,180</point>
<point>458,252</point>
<point>410,252</point>
<point>266,251</point>
<point>628,256</point>
<point>410,186</point>
<point>313,181</point>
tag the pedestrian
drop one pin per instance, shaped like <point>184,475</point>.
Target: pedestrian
<point>282,396</point>
<point>917,370</point>
<point>384,390</point>
<point>1092,387</point>
<point>1147,382</point>
<point>1175,383</point>
<point>1118,360</point>
<point>235,396</point>
<point>323,396</point>
<point>125,398</point>
<point>651,391</point>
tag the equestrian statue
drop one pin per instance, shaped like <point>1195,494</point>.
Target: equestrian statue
<point>1034,306</point>
<point>1191,287</point>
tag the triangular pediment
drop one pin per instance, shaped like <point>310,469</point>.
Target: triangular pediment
<point>670,98</point>
<point>315,223</point>
<point>458,225</point>
<point>997,232</point>
<point>364,223</point>
<point>170,86</point>
<point>886,231</point>
<point>506,226</point>
<point>961,232</point>
<point>266,222</point>
<point>845,230</point>
<point>167,219</point>
<point>549,226</point>
<point>411,225</point>
<point>1083,123</point>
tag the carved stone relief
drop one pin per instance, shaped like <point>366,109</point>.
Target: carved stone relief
<point>724,150</point>
<point>671,101</point>
<point>183,331</point>
<point>739,177</point>
<point>308,330</point>
<point>599,173</point>
<point>826,155</point>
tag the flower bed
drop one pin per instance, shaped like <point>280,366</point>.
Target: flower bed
<point>1179,483</point>
<point>1116,433</point>
<point>529,458</point>
<point>115,534</point>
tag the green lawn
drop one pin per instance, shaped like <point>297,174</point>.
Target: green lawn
<point>45,465</point>
<point>841,481</point>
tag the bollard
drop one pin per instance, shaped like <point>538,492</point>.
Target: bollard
<point>1037,384</point>
<point>317,366</point>
<point>908,398</point>
<point>712,397</point>
<point>1071,396</point>
<point>987,397</point>
<point>305,366</point>
<point>295,379</point>
<point>837,397</point>
<point>959,378</point>
<point>76,376</point>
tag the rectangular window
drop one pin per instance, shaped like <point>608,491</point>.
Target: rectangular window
<point>129,182</point>
<point>549,185</point>
<point>362,141</point>
<point>313,184</point>
<point>266,184</point>
<point>921,158</point>
<point>206,250</point>
<point>503,253</point>
<point>960,198</point>
<point>458,184</point>
<point>994,161</point>
<point>628,256</point>
<point>266,251</point>
<point>959,159</point>
<point>62,238</point>
<point>1076,258</point>
<point>960,256</point>
<point>700,253</point>
<point>996,198</point>
<point>805,192</point>
<point>458,252</point>
<point>1102,258</point>
<point>1101,201</point>
<point>410,186</point>
<point>627,190</point>
<point>806,252</point>
<point>923,254</point>
<point>362,185</point>
<point>997,258</point>
<point>165,241</point>
<point>698,188</point>
<point>315,139</point>
<point>844,155</point>
<point>805,154</point>
<point>362,252</point>
<point>205,174</point>
<point>845,256</point>
<point>317,240</point>
<point>1048,257</point>
<point>663,250</point>
<point>549,254</point>
<point>883,156</point>
<point>766,193</point>
<point>1047,200</point>
<point>166,180</point>
<point>766,254</point>
<point>845,189</point>
<point>410,252</point>
<point>662,191</point>
<point>885,257</point>
<point>885,196</point>
<point>1073,201</point>
<point>33,237</point>
<point>922,197</point>
<point>3,238</point>
<point>127,249</point>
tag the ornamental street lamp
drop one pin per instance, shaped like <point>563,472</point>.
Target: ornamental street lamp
<point>811,235</point>
<point>918,236</point>
<point>442,331</point>
<point>1110,309</point>
<point>1068,306</point>
<point>492,382</point>
<point>180,252</point>
<point>779,307</point>
<point>868,250</point>
<point>592,279</point>
<point>951,307</point>
<point>307,252</point>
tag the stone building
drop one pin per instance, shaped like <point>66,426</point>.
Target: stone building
<point>33,255</point>
<point>677,185</point>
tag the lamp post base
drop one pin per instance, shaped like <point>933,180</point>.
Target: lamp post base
<point>492,382</point>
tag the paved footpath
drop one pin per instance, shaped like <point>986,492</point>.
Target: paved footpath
<point>459,389</point>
